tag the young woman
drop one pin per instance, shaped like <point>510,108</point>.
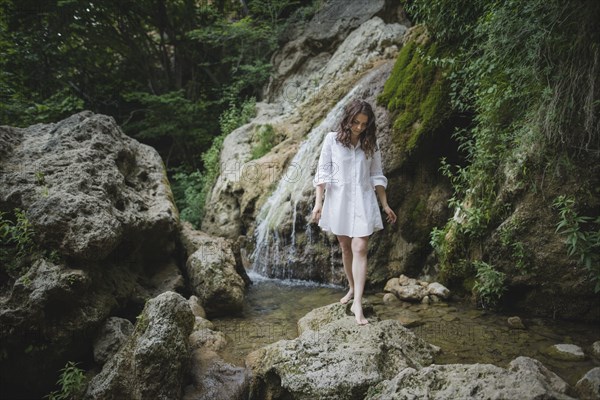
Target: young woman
<point>350,172</point>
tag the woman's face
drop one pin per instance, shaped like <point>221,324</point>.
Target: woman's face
<point>359,124</point>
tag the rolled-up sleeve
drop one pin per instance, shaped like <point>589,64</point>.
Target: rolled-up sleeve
<point>326,170</point>
<point>377,177</point>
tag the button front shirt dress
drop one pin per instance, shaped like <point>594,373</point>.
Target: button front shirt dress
<point>350,207</point>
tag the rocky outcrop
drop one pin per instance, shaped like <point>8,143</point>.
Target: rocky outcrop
<point>334,358</point>
<point>311,47</point>
<point>154,361</point>
<point>103,228</point>
<point>87,187</point>
<point>525,378</point>
<point>211,269</point>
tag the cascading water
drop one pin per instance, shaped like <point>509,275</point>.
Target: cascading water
<point>276,227</point>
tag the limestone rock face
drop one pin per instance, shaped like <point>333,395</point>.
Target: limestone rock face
<point>104,221</point>
<point>322,35</point>
<point>525,378</point>
<point>87,187</point>
<point>334,358</point>
<point>211,269</point>
<point>154,361</point>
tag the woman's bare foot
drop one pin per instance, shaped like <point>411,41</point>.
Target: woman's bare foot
<point>347,297</point>
<point>358,314</point>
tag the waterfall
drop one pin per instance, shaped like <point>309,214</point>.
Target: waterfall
<point>273,251</point>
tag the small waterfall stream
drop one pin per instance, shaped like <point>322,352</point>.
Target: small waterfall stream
<point>275,247</point>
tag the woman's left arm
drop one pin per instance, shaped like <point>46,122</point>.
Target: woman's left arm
<point>391,215</point>
<point>379,182</point>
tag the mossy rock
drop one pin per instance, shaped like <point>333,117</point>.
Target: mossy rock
<point>417,91</point>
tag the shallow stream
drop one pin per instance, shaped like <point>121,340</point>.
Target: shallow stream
<point>464,333</point>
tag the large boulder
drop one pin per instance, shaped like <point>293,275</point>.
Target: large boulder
<point>87,187</point>
<point>334,358</point>
<point>525,378</point>
<point>154,361</point>
<point>211,268</point>
<point>104,226</point>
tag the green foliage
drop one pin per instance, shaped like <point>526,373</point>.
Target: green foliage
<point>489,284</point>
<point>525,74</point>
<point>266,141</point>
<point>191,188</point>
<point>514,248</point>
<point>16,241</point>
<point>187,190</point>
<point>417,91</point>
<point>17,244</point>
<point>72,383</point>
<point>582,236</point>
<point>170,117</point>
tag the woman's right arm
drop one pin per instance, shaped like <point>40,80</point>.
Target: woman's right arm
<point>316,212</point>
<point>323,175</point>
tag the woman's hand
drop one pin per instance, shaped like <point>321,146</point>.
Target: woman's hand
<point>391,215</point>
<point>316,213</point>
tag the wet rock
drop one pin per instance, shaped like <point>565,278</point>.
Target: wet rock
<point>409,319</point>
<point>113,334</point>
<point>426,300</point>
<point>152,364</point>
<point>588,387</point>
<point>565,352</point>
<point>334,357</point>
<point>524,379</point>
<point>515,323</point>
<point>212,272</point>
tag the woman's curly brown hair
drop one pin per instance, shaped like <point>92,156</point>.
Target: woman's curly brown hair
<point>367,138</point>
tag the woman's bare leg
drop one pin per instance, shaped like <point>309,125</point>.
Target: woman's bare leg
<point>359,273</point>
<point>346,245</point>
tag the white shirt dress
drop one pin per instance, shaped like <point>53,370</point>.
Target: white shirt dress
<point>350,207</point>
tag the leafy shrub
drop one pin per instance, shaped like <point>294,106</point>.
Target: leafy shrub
<point>72,383</point>
<point>191,188</point>
<point>489,284</point>
<point>582,236</point>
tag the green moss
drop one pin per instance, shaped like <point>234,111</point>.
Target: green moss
<point>417,92</point>
<point>266,141</point>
